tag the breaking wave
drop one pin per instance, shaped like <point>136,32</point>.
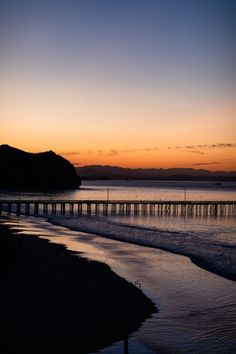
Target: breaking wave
<point>204,250</point>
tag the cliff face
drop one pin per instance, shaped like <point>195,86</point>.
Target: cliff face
<point>46,170</point>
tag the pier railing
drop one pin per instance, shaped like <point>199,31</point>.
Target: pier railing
<point>117,207</point>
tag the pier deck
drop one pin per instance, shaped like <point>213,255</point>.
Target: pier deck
<point>117,207</point>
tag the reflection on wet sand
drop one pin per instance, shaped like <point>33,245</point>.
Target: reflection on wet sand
<point>197,309</point>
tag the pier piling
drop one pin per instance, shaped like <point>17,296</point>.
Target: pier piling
<point>121,207</point>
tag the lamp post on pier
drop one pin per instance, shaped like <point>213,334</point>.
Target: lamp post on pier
<point>185,192</point>
<point>108,192</point>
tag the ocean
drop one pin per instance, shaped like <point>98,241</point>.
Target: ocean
<point>169,257</point>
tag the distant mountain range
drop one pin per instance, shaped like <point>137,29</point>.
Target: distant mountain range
<point>45,170</point>
<point>94,172</point>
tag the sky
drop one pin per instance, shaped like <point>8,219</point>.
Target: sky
<point>133,83</point>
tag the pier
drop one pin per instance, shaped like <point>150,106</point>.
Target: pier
<point>117,207</point>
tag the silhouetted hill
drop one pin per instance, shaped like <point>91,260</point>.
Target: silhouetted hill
<point>45,170</point>
<point>177,174</point>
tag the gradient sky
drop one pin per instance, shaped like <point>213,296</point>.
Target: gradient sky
<point>137,83</point>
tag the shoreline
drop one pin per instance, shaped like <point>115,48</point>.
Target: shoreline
<point>58,302</point>
<point>198,260</point>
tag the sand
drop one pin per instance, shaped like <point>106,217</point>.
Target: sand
<point>53,301</point>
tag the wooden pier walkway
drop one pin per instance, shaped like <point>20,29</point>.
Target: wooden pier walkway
<point>117,207</point>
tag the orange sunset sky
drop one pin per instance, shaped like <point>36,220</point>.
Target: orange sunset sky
<point>133,84</point>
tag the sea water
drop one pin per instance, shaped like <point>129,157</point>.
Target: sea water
<point>197,309</point>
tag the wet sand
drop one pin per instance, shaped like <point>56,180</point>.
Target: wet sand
<point>53,301</point>
<point>196,308</point>
<point>221,260</point>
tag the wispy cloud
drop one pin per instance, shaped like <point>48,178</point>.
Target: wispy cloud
<point>151,149</point>
<point>129,151</point>
<point>113,152</point>
<point>223,145</point>
<point>69,153</point>
<point>195,152</point>
<point>211,146</point>
<point>204,146</point>
<point>206,163</point>
<point>108,152</point>
<point>175,147</point>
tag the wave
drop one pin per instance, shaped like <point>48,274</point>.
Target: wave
<point>213,256</point>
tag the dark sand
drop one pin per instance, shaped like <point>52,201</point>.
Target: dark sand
<point>53,301</point>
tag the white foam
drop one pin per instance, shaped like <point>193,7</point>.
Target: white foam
<point>221,257</point>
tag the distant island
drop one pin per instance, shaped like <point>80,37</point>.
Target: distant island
<point>99,172</point>
<point>44,170</point>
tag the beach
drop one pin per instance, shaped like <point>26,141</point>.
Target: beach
<point>217,256</point>
<point>184,265</point>
<point>54,301</point>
